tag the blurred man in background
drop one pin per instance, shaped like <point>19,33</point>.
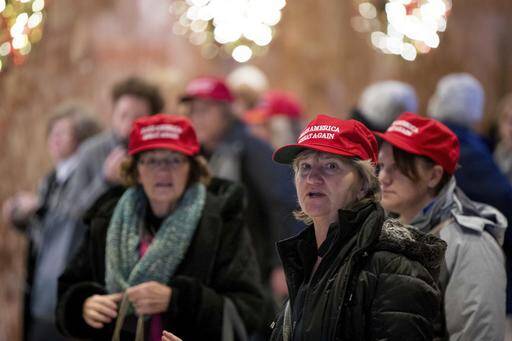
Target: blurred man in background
<point>45,219</point>
<point>100,157</point>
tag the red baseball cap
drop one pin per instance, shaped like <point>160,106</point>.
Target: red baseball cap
<point>163,131</point>
<point>424,136</point>
<point>274,103</point>
<point>280,103</point>
<point>327,134</point>
<point>207,88</point>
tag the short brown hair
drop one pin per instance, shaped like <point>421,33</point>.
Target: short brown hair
<point>138,87</point>
<point>367,176</point>
<point>408,164</point>
<point>199,171</point>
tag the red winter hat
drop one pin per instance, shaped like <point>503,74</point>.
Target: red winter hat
<point>424,136</point>
<point>327,134</point>
<point>280,103</point>
<point>207,88</point>
<point>163,131</point>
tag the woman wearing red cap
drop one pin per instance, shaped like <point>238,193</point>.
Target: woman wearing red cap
<point>171,253</point>
<point>276,119</point>
<point>417,161</point>
<point>351,274</point>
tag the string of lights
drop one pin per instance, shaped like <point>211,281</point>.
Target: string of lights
<point>403,27</point>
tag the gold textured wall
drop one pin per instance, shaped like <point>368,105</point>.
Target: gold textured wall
<point>89,44</point>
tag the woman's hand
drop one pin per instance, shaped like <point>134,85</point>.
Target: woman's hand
<point>150,298</point>
<point>99,310</point>
<point>166,336</point>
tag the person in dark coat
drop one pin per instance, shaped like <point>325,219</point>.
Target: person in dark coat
<point>173,249</point>
<point>47,223</point>
<point>233,153</point>
<point>352,274</point>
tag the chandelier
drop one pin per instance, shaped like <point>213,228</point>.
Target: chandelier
<point>402,27</point>
<point>241,28</point>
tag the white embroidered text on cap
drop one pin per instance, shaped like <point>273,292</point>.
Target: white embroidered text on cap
<point>403,127</point>
<point>168,131</point>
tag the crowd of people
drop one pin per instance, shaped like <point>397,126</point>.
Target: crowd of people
<point>239,219</point>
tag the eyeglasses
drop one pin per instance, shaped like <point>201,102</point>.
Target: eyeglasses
<point>153,163</point>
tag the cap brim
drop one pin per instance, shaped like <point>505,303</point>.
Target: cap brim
<point>399,143</point>
<point>154,146</point>
<point>288,153</point>
<point>188,98</point>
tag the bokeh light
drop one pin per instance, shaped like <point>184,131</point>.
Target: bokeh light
<point>403,27</point>
<point>243,28</point>
<point>22,21</point>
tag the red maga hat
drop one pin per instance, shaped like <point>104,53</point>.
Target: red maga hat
<point>280,103</point>
<point>424,136</point>
<point>163,131</point>
<point>331,135</point>
<point>207,88</point>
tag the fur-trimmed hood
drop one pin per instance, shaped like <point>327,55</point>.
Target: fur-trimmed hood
<point>422,247</point>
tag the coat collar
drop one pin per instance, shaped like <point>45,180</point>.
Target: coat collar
<point>362,222</point>
<point>350,221</point>
<point>451,202</point>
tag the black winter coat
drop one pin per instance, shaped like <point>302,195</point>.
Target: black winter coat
<point>376,281</point>
<point>219,263</point>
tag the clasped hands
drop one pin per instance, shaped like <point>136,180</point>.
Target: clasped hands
<point>148,298</point>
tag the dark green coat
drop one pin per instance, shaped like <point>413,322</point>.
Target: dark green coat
<point>376,281</point>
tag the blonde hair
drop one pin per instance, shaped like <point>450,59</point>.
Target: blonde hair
<point>368,182</point>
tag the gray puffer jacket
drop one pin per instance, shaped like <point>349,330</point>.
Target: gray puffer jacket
<point>473,277</point>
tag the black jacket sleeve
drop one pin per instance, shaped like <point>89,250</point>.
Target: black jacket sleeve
<point>405,301</point>
<point>85,273</point>
<point>75,285</point>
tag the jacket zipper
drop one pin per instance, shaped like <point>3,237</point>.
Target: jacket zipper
<point>354,258</point>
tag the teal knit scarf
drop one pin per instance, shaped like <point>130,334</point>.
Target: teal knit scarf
<point>124,266</point>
